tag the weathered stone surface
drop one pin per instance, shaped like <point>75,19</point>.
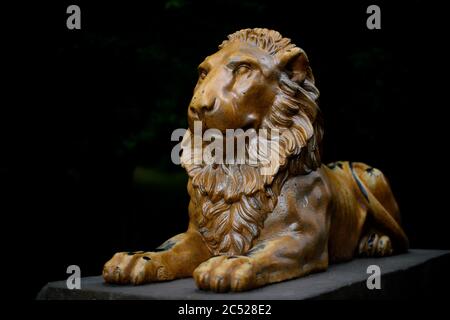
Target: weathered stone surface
<point>415,274</point>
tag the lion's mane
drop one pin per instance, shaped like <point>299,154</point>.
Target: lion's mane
<point>236,198</point>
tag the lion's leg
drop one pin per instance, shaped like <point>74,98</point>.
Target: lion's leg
<point>176,258</point>
<point>275,260</point>
<point>374,242</point>
<point>379,186</point>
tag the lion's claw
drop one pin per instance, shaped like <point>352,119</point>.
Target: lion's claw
<point>139,268</point>
<point>222,274</point>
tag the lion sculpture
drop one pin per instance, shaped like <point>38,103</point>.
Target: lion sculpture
<point>246,229</point>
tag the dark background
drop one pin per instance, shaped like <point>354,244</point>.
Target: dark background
<point>86,144</point>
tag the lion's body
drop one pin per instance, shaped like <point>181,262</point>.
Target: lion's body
<point>361,202</point>
<point>248,229</point>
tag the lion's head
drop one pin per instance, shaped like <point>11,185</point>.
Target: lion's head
<point>258,80</point>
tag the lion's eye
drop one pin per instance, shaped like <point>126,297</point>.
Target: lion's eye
<point>241,69</point>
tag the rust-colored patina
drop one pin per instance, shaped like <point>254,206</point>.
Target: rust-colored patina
<point>247,229</point>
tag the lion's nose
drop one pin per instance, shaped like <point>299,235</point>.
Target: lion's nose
<point>200,108</point>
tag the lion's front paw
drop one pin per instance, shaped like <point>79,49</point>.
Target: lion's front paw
<point>223,273</point>
<point>135,268</point>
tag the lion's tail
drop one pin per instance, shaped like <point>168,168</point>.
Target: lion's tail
<point>381,203</point>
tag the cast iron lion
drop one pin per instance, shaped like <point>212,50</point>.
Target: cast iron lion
<point>246,229</point>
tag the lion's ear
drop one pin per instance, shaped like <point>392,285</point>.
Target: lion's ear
<point>295,62</point>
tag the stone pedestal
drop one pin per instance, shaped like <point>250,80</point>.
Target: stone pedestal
<point>418,273</point>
